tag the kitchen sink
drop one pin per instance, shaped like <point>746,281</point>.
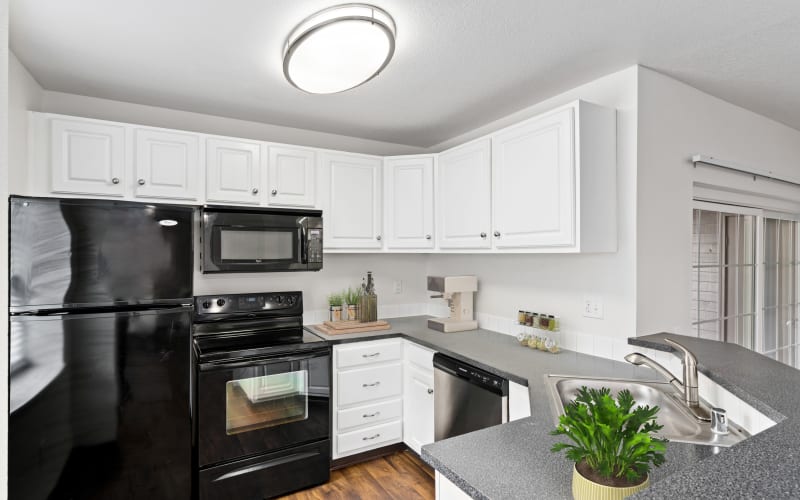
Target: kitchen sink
<point>679,424</point>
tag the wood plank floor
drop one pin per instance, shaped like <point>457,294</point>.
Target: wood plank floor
<point>401,475</point>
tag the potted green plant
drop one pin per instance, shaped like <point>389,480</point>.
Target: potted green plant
<point>335,302</point>
<point>613,444</point>
<point>351,297</point>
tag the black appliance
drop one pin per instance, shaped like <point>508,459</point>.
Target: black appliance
<point>239,240</point>
<point>100,349</point>
<point>263,388</point>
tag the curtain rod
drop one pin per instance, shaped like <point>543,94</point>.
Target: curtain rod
<point>729,165</point>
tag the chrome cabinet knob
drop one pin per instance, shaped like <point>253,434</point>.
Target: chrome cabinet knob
<point>115,180</point>
<point>255,190</point>
<point>483,235</point>
<point>141,182</point>
<point>497,234</point>
<point>427,236</point>
<point>378,237</point>
<point>274,192</point>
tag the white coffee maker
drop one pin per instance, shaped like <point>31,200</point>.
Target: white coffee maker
<point>459,292</point>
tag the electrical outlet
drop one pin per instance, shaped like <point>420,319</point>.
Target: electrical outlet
<point>398,286</point>
<point>593,307</point>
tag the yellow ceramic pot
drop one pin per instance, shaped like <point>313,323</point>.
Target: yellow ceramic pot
<point>584,489</point>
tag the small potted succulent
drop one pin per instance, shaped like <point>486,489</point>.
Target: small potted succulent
<point>613,444</point>
<point>335,301</point>
<point>352,297</point>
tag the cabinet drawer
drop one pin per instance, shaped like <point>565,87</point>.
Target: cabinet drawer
<point>371,437</point>
<point>369,414</point>
<point>369,352</point>
<point>366,384</point>
<point>420,356</point>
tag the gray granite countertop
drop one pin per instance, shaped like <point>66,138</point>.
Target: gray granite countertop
<point>513,460</point>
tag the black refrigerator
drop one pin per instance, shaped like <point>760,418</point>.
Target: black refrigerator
<point>99,345</point>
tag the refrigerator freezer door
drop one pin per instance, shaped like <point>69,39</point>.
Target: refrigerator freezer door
<point>100,405</point>
<point>92,253</point>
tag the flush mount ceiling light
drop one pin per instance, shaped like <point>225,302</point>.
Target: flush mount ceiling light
<point>339,48</point>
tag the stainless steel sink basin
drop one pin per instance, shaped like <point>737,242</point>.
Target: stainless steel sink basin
<point>679,424</point>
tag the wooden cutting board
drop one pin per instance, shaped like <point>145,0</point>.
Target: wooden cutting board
<point>343,327</point>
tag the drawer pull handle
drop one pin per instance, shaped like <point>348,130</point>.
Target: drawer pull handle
<point>371,355</point>
<point>371,437</point>
<point>374,384</point>
<point>370,415</point>
<point>430,391</point>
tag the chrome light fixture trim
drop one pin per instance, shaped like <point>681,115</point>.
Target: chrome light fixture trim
<point>350,12</point>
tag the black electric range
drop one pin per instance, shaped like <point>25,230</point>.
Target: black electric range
<point>262,389</point>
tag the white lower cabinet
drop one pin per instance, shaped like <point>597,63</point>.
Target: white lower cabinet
<point>417,396</point>
<point>367,396</point>
<point>447,490</point>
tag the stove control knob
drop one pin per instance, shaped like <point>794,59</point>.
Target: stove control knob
<point>206,304</point>
<point>278,299</point>
<point>220,302</point>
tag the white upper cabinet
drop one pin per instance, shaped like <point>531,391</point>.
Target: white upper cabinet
<point>87,157</point>
<point>464,197</point>
<point>533,183</point>
<point>292,178</point>
<point>354,208</point>
<point>408,195</point>
<point>553,176</point>
<point>233,171</point>
<point>166,164</point>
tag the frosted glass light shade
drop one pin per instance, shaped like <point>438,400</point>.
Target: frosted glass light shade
<point>339,48</point>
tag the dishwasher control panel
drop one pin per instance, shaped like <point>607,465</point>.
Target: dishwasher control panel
<point>475,375</point>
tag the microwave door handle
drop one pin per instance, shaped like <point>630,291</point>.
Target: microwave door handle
<point>303,244</point>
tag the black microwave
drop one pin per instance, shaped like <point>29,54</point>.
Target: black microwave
<point>253,240</point>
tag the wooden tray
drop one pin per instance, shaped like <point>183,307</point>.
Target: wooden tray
<point>342,327</point>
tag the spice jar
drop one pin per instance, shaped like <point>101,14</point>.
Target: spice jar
<point>544,322</point>
<point>535,323</point>
<point>521,317</point>
<point>523,338</point>
<point>555,324</point>
<point>551,322</point>
<point>528,318</point>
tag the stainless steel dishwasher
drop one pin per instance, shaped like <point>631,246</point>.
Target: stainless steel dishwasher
<point>466,398</point>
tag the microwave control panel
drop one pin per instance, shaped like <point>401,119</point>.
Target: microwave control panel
<point>315,246</point>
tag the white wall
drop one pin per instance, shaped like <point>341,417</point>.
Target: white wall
<point>675,122</point>
<point>25,94</point>
<point>339,271</point>
<point>105,109</point>
<point>4,155</point>
<point>557,284</point>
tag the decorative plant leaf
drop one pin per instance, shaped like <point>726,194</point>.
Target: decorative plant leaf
<point>613,437</point>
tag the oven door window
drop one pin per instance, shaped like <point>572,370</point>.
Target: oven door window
<point>257,400</point>
<point>257,244</point>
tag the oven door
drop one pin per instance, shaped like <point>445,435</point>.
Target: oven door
<point>250,406</point>
<point>236,241</point>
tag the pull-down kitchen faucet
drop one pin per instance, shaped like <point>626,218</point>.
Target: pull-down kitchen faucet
<point>688,388</point>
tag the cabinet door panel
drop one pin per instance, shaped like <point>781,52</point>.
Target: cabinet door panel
<point>292,177</point>
<point>354,216</point>
<point>87,157</point>
<point>409,202</point>
<point>418,407</point>
<point>166,164</point>
<point>533,183</point>
<point>234,171</point>
<point>464,201</point>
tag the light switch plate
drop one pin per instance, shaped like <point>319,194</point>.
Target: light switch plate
<point>593,307</point>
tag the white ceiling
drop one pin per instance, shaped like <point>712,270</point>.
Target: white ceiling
<point>459,63</point>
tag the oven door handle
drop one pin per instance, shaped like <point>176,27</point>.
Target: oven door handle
<point>266,360</point>
<point>266,465</point>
